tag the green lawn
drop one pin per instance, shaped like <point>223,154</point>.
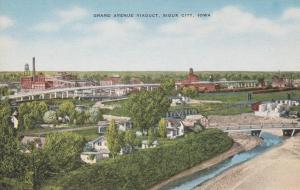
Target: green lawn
<point>88,134</point>
<point>233,97</point>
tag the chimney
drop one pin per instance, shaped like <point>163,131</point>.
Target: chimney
<point>33,68</point>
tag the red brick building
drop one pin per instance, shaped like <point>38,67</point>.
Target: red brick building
<point>193,80</point>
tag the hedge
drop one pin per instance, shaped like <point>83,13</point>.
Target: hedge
<point>145,168</point>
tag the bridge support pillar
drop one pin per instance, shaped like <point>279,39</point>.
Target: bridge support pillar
<point>55,95</point>
<point>67,94</point>
<point>295,131</point>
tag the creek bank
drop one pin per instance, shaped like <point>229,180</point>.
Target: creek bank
<point>275,169</point>
<point>242,143</point>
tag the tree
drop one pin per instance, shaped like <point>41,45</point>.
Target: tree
<point>80,117</point>
<point>112,138</point>
<point>63,151</point>
<point>27,121</point>
<point>129,138</point>
<point>190,91</point>
<point>162,128</point>
<point>147,107</point>
<point>67,108</point>
<point>93,115</point>
<point>50,117</point>
<point>12,161</point>
<point>168,87</point>
<point>150,136</point>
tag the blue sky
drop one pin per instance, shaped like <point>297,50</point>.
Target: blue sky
<point>63,35</point>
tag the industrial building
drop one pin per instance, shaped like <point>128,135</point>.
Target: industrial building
<point>38,81</point>
<point>193,80</point>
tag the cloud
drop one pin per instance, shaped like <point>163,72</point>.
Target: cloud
<point>231,39</point>
<point>5,22</point>
<point>64,17</point>
<point>291,14</point>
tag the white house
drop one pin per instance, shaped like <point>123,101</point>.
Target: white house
<point>95,150</point>
<point>175,128</point>
<point>179,100</point>
<point>122,125</point>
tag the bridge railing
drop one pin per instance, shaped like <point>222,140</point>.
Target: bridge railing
<point>261,126</point>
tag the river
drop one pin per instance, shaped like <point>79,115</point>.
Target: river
<point>187,183</point>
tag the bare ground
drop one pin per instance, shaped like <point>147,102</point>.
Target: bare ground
<point>245,118</point>
<point>277,169</point>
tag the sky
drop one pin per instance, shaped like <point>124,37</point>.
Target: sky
<point>239,35</point>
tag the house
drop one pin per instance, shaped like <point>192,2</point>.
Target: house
<point>179,100</point>
<point>122,125</point>
<point>95,150</point>
<point>275,109</point>
<point>280,82</point>
<point>175,128</point>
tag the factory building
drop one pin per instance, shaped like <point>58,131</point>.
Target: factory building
<point>33,81</point>
<point>38,81</point>
<point>192,80</point>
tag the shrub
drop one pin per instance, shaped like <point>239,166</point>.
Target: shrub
<point>50,117</point>
<point>145,168</point>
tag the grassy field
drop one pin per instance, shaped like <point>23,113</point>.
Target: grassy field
<point>234,97</point>
<point>88,134</point>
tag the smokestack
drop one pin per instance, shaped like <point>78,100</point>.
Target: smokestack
<point>33,68</point>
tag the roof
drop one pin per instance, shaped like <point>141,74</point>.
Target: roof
<point>174,122</point>
<point>100,138</point>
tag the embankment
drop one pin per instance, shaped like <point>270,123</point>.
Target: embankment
<point>276,169</point>
<point>145,168</point>
<point>242,143</point>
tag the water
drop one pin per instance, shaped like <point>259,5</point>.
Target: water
<point>199,178</point>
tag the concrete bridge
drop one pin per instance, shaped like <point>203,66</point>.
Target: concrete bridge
<point>288,129</point>
<point>113,91</point>
<point>106,91</point>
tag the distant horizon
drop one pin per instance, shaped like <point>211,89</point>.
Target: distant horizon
<point>157,71</point>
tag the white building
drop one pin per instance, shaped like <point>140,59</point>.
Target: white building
<point>122,125</point>
<point>175,128</point>
<point>275,109</point>
<point>95,150</point>
<point>179,100</point>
